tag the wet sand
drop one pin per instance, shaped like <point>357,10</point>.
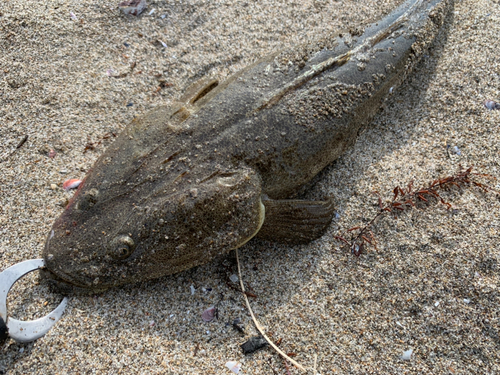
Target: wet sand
<point>432,284</point>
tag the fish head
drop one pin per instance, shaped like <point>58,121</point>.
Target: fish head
<point>147,208</point>
<point>97,244</point>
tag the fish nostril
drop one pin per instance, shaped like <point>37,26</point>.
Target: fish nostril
<point>88,200</point>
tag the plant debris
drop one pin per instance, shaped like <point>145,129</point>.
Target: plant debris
<point>407,198</point>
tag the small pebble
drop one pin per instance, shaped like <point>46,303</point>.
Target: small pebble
<point>253,343</point>
<point>132,7</point>
<point>234,278</point>
<point>407,355</point>
<point>491,104</point>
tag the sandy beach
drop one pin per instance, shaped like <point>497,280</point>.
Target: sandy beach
<point>73,74</point>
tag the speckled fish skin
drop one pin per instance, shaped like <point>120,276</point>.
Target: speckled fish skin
<point>184,183</point>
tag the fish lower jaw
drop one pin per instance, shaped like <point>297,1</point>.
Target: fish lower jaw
<point>64,285</point>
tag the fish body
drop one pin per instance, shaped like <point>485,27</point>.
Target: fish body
<point>202,176</point>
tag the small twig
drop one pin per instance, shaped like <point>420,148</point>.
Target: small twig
<point>19,145</point>
<point>217,306</point>
<point>92,145</point>
<point>245,292</point>
<point>124,74</point>
<point>286,366</point>
<point>229,283</point>
<point>236,326</point>
<point>272,368</point>
<point>23,141</point>
<point>258,326</point>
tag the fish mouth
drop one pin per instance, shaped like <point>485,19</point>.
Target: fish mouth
<point>65,284</point>
<point>61,282</point>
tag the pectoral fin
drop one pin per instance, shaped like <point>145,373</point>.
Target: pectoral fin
<point>295,221</point>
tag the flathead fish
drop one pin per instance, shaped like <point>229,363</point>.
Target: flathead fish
<point>203,176</point>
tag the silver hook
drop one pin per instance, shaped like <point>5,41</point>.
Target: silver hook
<point>25,331</point>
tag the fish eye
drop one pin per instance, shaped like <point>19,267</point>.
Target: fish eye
<point>121,247</point>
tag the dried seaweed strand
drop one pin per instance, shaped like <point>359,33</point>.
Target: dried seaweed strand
<point>407,198</point>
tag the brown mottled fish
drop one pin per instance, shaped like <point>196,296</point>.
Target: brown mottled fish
<point>203,176</point>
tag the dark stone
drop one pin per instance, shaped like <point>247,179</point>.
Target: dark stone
<point>4,331</point>
<point>254,343</point>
